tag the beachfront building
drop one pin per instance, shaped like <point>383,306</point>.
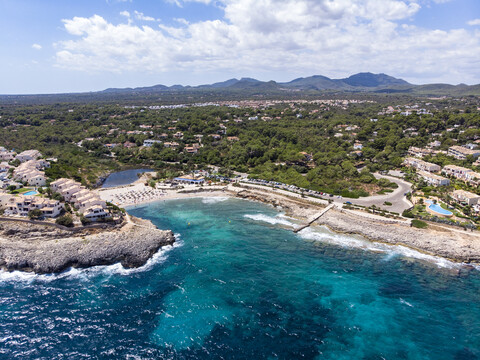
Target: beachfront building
<point>466,197</point>
<point>421,165</point>
<point>82,199</point>
<point>150,142</point>
<point>461,153</point>
<point>190,179</point>
<point>22,205</point>
<point>96,213</point>
<point>28,155</point>
<point>434,179</point>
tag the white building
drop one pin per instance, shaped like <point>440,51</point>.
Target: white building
<point>461,153</point>
<point>466,197</point>
<point>22,205</point>
<point>28,155</point>
<point>6,155</point>
<point>422,165</point>
<point>458,172</point>
<point>81,198</point>
<point>433,179</point>
<point>150,142</point>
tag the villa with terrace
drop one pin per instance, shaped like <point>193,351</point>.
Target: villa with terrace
<point>22,205</point>
<point>86,201</point>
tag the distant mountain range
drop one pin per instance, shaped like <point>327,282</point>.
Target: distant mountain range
<point>361,82</point>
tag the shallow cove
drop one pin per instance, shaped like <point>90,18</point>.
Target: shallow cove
<point>124,177</point>
<point>242,285</point>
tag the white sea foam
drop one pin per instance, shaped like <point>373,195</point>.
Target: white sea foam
<point>88,273</point>
<point>214,199</point>
<point>274,220</point>
<point>324,235</point>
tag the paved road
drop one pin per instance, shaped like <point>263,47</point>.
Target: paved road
<point>397,197</point>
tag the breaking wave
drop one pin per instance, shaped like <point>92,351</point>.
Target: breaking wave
<point>214,200</point>
<point>273,220</point>
<point>391,251</point>
<point>88,273</point>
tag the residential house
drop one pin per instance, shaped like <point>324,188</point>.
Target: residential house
<point>6,155</point>
<point>473,178</point>
<point>171,145</point>
<point>178,135</point>
<point>461,153</point>
<point>22,205</point>
<point>419,152</point>
<point>458,172</point>
<point>150,142</point>
<point>95,213</point>
<point>191,149</point>
<point>28,155</point>
<point>28,172</point>
<point>434,179</point>
<point>466,197</point>
<point>421,165</point>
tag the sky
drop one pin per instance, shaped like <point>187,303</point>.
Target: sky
<point>56,46</point>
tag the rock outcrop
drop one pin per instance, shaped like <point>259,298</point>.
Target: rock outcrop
<point>44,249</point>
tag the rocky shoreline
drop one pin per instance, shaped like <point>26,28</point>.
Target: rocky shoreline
<point>453,244</point>
<point>43,249</point>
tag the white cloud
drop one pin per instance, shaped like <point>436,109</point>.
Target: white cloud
<point>37,46</point>
<point>141,16</point>
<point>330,37</point>
<point>474,22</point>
<point>125,13</point>
<point>181,2</point>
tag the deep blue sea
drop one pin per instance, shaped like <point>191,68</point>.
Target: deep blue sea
<point>124,177</point>
<point>240,285</point>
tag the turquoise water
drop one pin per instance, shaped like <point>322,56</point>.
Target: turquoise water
<point>123,177</point>
<point>32,192</point>
<point>240,285</point>
<point>437,208</point>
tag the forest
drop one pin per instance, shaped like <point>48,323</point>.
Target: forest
<point>333,145</point>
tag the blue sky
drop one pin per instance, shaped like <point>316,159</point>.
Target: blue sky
<point>53,46</point>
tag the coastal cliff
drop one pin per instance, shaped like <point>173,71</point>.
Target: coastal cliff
<point>44,249</point>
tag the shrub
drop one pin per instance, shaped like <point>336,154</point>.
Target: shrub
<point>388,203</point>
<point>65,221</point>
<point>35,214</point>
<point>419,224</point>
<point>85,221</point>
<point>408,214</point>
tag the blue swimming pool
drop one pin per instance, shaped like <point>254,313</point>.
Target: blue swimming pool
<point>438,209</point>
<point>31,192</point>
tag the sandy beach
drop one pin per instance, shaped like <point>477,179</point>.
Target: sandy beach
<point>452,243</point>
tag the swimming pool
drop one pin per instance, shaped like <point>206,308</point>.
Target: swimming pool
<point>438,210</point>
<point>31,192</point>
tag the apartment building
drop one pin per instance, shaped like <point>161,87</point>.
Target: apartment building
<point>434,179</point>
<point>461,153</point>
<point>421,165</point>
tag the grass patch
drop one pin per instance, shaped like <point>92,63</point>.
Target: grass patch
<point>21,190</point>
<point>419,224</point>
<point>387,203</point>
